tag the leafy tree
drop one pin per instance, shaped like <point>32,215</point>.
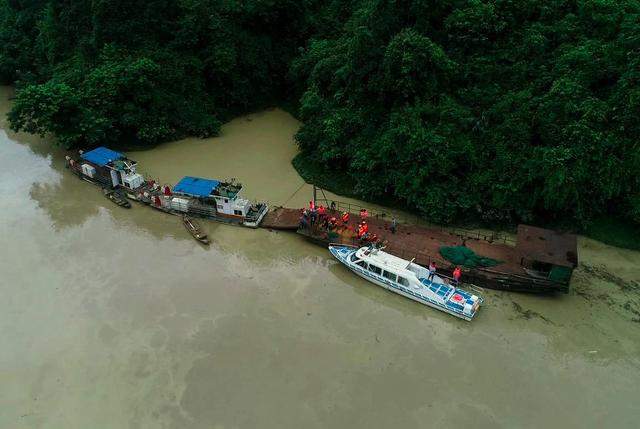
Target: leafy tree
<point>501,110</point>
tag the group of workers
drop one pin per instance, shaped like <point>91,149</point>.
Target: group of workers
<point>457,273</point>
<point>327,220</point>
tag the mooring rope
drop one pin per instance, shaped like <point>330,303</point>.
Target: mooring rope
<point>294,193</point>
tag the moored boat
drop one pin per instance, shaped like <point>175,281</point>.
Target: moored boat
<point>208,198</point>
<point>217,200</point>
<point>408,279</point>
<point>117,198</point>
<point>194,229</point>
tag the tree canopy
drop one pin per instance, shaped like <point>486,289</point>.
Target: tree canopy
<point>501,110</point>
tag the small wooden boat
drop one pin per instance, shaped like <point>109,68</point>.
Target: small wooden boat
<point>195,230</point>
<point>117,198</point>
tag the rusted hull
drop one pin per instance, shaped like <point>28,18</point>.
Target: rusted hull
<point>481,277</point>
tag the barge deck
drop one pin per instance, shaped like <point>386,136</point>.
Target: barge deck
<point>519,260</point>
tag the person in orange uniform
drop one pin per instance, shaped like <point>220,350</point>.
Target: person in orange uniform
<point>457,273</point>
<point>345,218</point>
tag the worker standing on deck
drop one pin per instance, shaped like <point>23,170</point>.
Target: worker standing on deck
<point>313,216</point>
<point>321,212</point>
<point>345,218</point>
<point>364,214</point>
<point>432,270</point>
<point>324,222</point>
<point>394,225</point>
<point>457,273</point>
<point>302,222</point>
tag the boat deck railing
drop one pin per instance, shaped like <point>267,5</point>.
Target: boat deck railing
<point>402,218</point>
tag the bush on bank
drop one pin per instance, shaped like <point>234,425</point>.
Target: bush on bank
<point>499,110</point>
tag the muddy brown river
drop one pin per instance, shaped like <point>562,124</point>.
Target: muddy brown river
<point>113,318</point>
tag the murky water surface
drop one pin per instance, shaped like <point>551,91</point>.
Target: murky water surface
<point>114,318</point>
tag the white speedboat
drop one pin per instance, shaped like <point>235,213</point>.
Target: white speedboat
<point>407,279</point>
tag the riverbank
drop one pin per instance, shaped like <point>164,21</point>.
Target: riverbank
<point>118,316</point>
<point>608,230</point>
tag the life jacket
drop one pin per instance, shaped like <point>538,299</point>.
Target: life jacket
<point>345,217</point>
<point>312,205</point>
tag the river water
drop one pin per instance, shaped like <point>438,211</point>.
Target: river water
<point>114,318</point>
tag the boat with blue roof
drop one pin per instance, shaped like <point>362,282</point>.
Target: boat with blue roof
<point>215,199</point>
<point>218,200</point>
<point>408,279</point>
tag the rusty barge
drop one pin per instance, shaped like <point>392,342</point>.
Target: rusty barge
<point>537,261</point>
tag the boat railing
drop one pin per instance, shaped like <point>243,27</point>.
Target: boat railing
<point>403,218</point>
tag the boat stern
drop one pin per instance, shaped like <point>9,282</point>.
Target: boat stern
<point>464,303</point>
<point>254,221</point>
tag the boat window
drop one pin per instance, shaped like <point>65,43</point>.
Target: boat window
<point>403,281</point>
<point>363,264</point>
<point>353,257</point>
<point>375,269</point>
<point>226,200</point>
<point>238,212</point>
<point>388,275</point>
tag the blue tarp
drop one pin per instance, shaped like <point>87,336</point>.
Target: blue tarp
<point>196,186</point>
<point>101,156</point>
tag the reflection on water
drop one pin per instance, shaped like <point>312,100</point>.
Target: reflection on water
<point>117,318</point>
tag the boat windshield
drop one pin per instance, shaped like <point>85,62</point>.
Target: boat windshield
<point>417,270</point>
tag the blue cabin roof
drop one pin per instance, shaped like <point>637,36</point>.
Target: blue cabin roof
<point>196,186</point>
<point>101,156</point>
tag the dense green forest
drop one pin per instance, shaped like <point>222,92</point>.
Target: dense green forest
<point>498,110</point>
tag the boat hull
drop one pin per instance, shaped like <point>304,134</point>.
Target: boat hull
<point>484,278</point>
<point>391,287</point>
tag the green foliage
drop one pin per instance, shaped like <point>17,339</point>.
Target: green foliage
<point>143,71</point>
<point>498,110</point>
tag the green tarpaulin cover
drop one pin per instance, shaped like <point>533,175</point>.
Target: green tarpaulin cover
<point>461,255</point>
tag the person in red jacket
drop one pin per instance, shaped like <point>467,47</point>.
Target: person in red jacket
<point>457,273</point>
<point>432,270</point>
<point>345,218</point>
